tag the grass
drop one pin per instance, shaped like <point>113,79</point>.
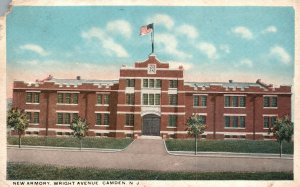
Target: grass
<point>25,171</point>
<point>241,146</point>
<point>87,142</point>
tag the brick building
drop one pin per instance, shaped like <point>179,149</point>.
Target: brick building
<point>152,99</point>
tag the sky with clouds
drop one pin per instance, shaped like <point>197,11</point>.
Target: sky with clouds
<point>212,43</point>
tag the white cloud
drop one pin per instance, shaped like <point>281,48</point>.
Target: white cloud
<point>188,30</point>
<point>225,48</point>
<point>161,19</point>
<point>35,48</point>
<point>168,42</point>
<point>208,49</point>
<point>281,54</point>
<point>243,32</point>
<point>111,47</point>
<point>246,62</point>
<point>270,29</point>
<point>175,64</point>
<point>120,26</point>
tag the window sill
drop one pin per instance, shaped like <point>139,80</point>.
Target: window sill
<point>63,125</point>
<point>102,125</point>
<point>128,126</point>
<point>234,128</point>
<point>233,107</point>
<point>270,107</point>
<point>170,127</point>
<point>35,124</point>
<point>102,105</point>
<point>32,103</point>
<point>70,104</point>
<point>199,106</point>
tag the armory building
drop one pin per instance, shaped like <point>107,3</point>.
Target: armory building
<point>152,99</point>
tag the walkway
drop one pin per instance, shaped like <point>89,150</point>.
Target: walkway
<point>145,154</point>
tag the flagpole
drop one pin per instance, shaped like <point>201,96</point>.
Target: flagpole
<point>152,38</point>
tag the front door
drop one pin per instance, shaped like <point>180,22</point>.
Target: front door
<point>151,125</point>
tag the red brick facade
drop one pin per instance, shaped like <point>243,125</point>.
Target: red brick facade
<point>151,88</point>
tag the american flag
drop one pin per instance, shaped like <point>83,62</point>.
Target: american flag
<point>146,29</point>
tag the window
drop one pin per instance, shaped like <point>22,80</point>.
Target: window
<point>269,121</point>
<point>227,121</point>
<point>66,118</point>
<point>157,99</point>
<point>129,119</point>
<point>59,118</point>
<point>203,118</point>
<point>67,98</point>
<point>242,101</point>
<point>106,99</point>
<point>151,99</point>
<point>32,97</point>
<point>270,101</point>
<point>157,83</point>
<point>203,100</point>
<point>145,99</point>
<point>172,83</point>
<point>130,82</point>
<point>235,101</point>
<point>99,99</point>
<point>106,119</point>
<point>130,99</point>
<point>173,99</point>
<point>196,100</point>
<point>145,83</point>
<point>172,120</point>
<point>98,119</point>
<point>28,116</point>
<point>151,83</point>
<point>235,121</point>
<point>75,115</point>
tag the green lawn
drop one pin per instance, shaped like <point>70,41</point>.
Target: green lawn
<point>242,146</point>
<point>24,171</point>
<point>88,142</point>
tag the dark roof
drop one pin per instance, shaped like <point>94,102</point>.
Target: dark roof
<point>224,84</point>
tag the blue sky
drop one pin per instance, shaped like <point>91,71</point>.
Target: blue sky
<point>212,43</point>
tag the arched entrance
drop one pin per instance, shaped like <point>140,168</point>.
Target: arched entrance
<point>151,125</point>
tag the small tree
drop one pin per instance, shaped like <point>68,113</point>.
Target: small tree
<point>80,128</point>
<point>17,120</point>
<point>283,129</point>
<point>195,126</point>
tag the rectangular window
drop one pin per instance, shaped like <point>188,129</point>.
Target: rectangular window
<point>203,100</point>
<point>227,121</point>
<point>266,101</point>
<point>75,115</point>
<point>196,100</point>
<point>172,83</point>
<point>28,116</point>
<point>235,101</point>
<point>173,99</point>
<point>36,98</point>
<point>130,99</point>
<point>60,98</point>
<point>36,117</point>
<point>98,119</point>
<point>242,121</point>
<point>28,97</point>
<point>130,82</point>
<point>151,99</point>
<point>67,118</point>
<point>274,102</point>
<point>99,99</point>
<point>145,83</point>
<point>75,98</point>
<point>106,119</point>
<point>227,101</point>
<point>59,118</point>
<point>242,101</point>
<point>157,83</point>
<point>68,98</point>
<point>266,122</point>
<point>234,121</point>
<point>203,118</point>
<point>273,119</point>
<point>129,119</point>
<point>157,99</point>
<point>151,83</point>
<point>145,99</point>
<point>106,99</point>
<point>172,120</point>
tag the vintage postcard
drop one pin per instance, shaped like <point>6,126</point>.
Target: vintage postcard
<point>149,93</point>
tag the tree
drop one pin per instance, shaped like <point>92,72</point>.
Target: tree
<point>195,126</point>
<point>283,129</point>
<point>17,120</point>
<point>80,128</point>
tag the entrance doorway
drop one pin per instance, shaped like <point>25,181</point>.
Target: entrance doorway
<point>151,125</point>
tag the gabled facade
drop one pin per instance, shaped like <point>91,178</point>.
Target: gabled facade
<point>152,99</point>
